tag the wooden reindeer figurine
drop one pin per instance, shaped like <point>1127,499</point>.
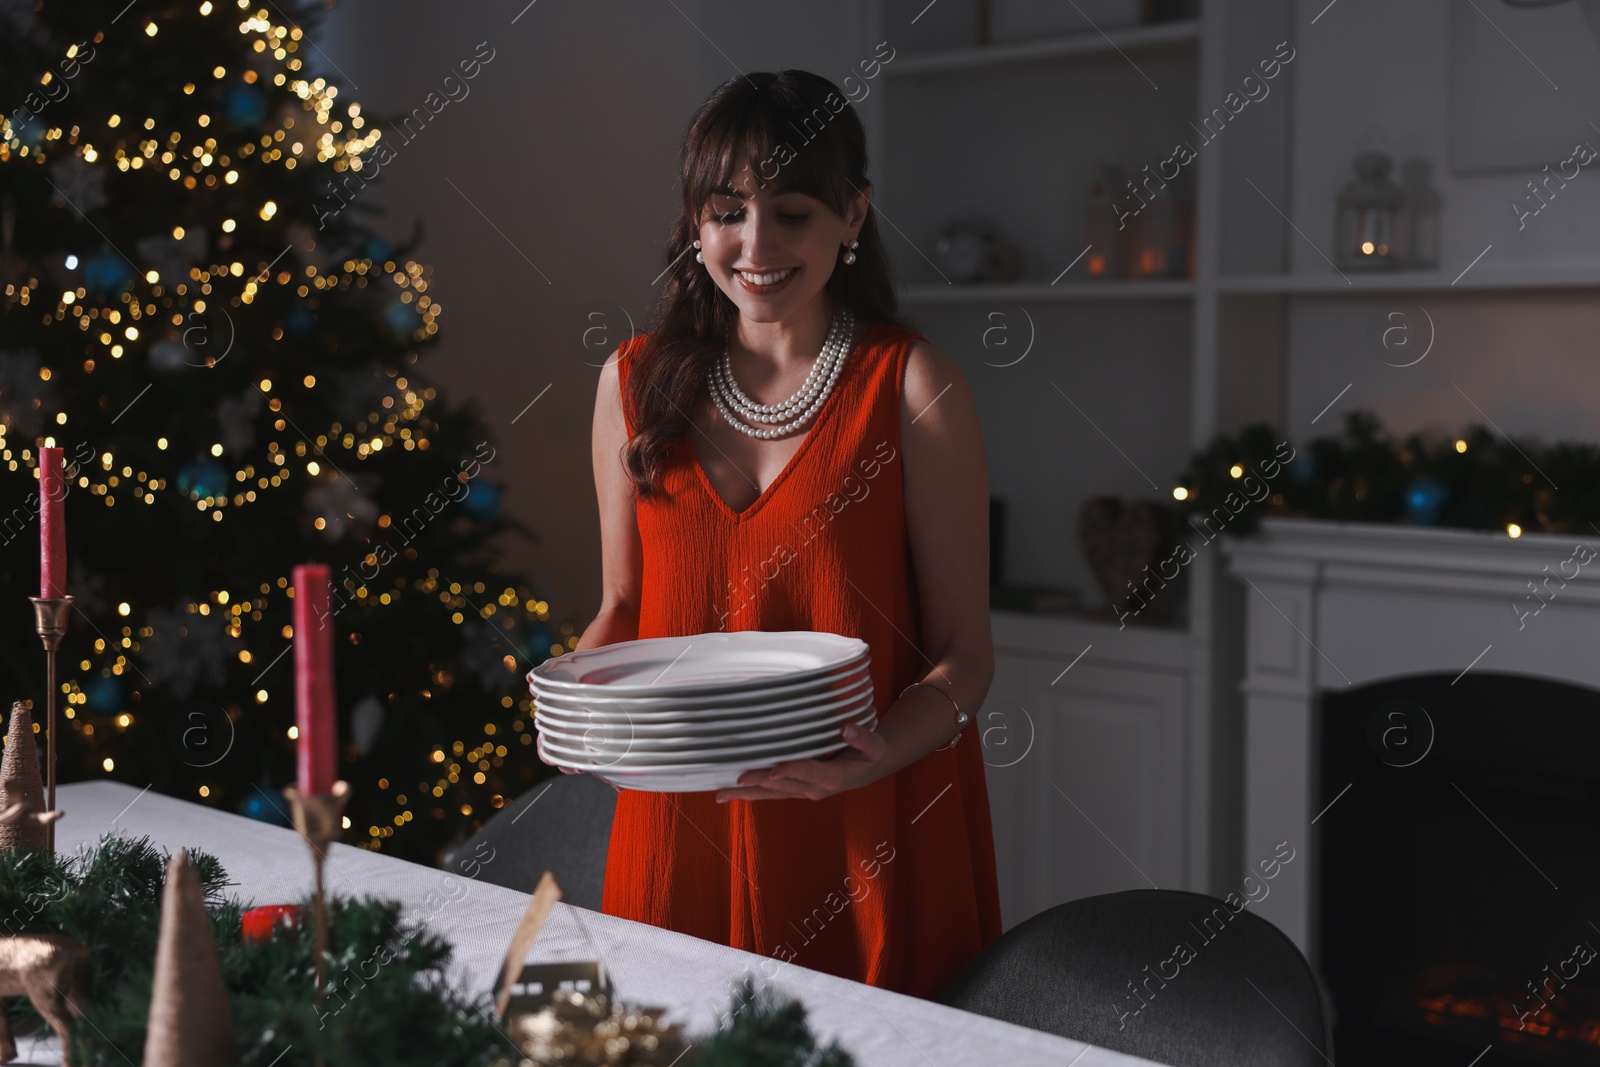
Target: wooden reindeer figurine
<point>23,813</point>
<point>50,970</point>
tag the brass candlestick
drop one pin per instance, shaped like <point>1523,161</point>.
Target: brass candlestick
<point>319,818</point>
<point>50,617</point>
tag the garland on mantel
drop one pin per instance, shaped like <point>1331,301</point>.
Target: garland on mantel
<point>389,999</point>
<point>1480,480</point>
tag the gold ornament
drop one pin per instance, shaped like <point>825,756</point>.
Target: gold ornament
<point>553,1023</point>
<point>580,1028</point>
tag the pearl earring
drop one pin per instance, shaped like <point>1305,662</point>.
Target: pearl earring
<point>698,258</point>
<point>850,255</point>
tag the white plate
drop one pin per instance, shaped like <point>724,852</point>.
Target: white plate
<point>696,779</point>
<point>697,721</point>
<point>733,703</point>
<point>710,695</point>
<point>638,757</point>
<point>663,727</point>
<point>604,740</point>
<point>626,760</point>
<point>715,662</point>
<point>773,751</point>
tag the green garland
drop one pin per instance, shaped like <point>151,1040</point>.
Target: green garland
<point>1478,481</point>
<point>768,1030</point>
<point>388,1000</point>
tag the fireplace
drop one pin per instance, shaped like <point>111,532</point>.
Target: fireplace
<point>1433,892</point>
<point>1460,869</point>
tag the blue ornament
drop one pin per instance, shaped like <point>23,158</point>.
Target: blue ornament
<point>482,501</point>
<point>30,131</point>
<point>244,104</point>
<point>299,321</point>
<point>265,803</point>
<point>1425,500</point>
<point>107,694</point>
<point>536,641</point>
<point>1303,469</point>
<point>107,274</point>
<point>402,319</point>
<point>202,478</point>
<point>378,250</point>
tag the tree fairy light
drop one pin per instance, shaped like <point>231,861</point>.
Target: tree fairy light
<point>158,328</point>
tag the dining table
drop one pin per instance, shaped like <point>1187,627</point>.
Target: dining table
<point>691,979</point>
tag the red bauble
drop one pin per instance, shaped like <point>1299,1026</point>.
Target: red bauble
<point>259,923</point>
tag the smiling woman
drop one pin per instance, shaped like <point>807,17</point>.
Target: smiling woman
<point>774,379</point>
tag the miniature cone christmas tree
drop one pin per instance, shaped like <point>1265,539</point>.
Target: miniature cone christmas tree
<point>190,1023</point>
<point>20,782</point>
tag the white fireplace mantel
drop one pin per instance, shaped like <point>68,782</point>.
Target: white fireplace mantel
<point>1334,605</point>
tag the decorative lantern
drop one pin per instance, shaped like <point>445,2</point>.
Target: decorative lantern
<point>1368,230</point>
<point>1106,234</point>
<point>1163,233</point>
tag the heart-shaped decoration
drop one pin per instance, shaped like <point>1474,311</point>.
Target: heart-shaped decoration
<point>1120,540</point>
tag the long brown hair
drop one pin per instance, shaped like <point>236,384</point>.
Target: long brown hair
<point>746,119</point>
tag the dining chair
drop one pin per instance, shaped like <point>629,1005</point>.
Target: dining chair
<point>1176,977</point>
<point>561,825</point>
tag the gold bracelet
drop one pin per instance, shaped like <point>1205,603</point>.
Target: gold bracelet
<point>961,716</point>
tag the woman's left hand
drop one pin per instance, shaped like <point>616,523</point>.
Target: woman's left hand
<point>813,779</point>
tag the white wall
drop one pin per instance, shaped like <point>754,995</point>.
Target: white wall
<point>1378,73</point>
<point>568,143</point>
<point>1371,72</point>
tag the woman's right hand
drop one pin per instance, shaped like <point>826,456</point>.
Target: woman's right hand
<point>538,745</point>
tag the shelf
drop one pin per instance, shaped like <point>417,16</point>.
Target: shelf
<point>1065,636</point>
<point>1025,292</point>
<point>1479,277</point>
<point>1124,39</point>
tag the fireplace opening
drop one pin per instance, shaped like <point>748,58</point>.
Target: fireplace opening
<point>1459,881</point>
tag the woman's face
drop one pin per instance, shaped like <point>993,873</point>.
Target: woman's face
<point>772,251</point>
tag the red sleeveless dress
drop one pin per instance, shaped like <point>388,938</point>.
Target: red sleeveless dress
<point>892,884</point>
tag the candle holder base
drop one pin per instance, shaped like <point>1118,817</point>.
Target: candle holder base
<point>319,818</point>
<point>50,616</point>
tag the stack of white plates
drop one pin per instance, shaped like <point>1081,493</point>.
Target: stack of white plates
<point>683,714</point>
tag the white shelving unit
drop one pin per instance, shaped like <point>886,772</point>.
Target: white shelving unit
<point>1130,755</point>
<point>1044,292</point>
<point>1135,777</point>
<point>1130,39</point>
<point>1577,276</point>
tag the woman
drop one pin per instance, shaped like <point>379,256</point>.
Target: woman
<point>856,502</point>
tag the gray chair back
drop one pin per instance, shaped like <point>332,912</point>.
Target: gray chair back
<point>561,825</point>
<point>1179,978</point>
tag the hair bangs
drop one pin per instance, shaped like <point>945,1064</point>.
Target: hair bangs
<point>763,131</point>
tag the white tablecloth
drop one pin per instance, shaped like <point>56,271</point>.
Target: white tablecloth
<point>648,965</point>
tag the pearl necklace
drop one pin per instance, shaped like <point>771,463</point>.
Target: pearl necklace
<point>820,367</point>
<point>738,410</point>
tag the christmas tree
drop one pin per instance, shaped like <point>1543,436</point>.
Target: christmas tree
<point>195,310</point>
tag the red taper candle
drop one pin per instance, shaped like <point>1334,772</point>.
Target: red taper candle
<point>52,525</point>
<point>318,754</point>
